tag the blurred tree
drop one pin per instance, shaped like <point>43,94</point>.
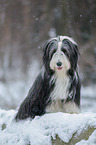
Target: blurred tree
<point>83,22</point>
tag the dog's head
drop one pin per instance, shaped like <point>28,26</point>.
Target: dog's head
<point>60,55</point>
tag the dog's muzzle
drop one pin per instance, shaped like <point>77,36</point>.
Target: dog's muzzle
<point>59,65</point>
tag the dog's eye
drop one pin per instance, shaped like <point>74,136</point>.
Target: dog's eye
<point>64,51</point>
<point>52,53</point>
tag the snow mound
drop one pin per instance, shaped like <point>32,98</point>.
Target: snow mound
<point>53,128</point>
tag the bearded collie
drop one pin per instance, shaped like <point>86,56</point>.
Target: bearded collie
<point>57,87</point>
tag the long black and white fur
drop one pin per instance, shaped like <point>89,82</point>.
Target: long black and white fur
<point>57,87</point>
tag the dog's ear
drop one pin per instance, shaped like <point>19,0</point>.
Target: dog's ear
<point>45,51</point>
<point>73,52</point>
<point>76,49</point>
<point>49,43</point>
<point>75,55</point>
<point>46,48</point>
<point>45,56</point>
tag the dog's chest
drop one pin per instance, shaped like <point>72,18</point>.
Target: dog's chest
<point>60,90</point>
<point>59,95</point>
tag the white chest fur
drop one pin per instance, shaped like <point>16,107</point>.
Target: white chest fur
<point>61,88</point>
<point>61,92</point>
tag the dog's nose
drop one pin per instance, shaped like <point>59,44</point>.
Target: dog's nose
<point>59,63</point>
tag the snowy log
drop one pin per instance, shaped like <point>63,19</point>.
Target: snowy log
<point>49,129</point>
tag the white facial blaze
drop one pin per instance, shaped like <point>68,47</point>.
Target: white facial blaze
<point>59,46</point>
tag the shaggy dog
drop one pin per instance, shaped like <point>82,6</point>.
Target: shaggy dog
<point>57,87</point>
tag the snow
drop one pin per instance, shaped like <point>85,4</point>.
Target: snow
<point>88,91</point>
<point>81,15</point>
<point>90,141</point>
<point>52,32</point>
<point>88,99</point>
<point>40,130</point>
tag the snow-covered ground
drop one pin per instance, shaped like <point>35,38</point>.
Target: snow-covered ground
<point>41,130</point>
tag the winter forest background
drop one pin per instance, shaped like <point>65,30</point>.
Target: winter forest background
<point>25,25</point>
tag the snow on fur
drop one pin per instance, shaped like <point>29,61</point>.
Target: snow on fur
<point>42,129</point>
